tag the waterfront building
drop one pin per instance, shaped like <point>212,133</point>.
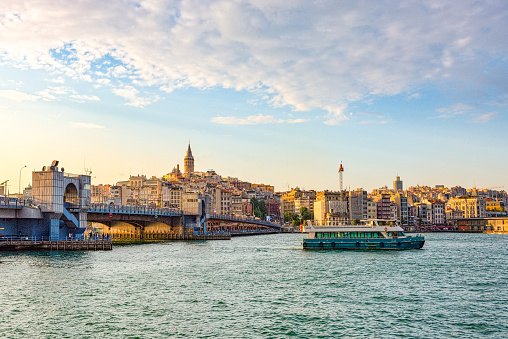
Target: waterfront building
<point>458,191</point>
<point>319,210</point>
<point>494,205</point>
<point>422,213</point>
<point>288,200</point>
<point>393,211</point>
<point>397,184</point>
<point>273,208</point>
<point>236,204</point>
<point>191,203</point>
<point>119,194</point>
<point>371,209</point>
<point>402,207</point>
<point>214,192</point>
<point>437,212</point>
<point>246,205</point>
<point>383,207</point>
<point>471,207</point>
<point>150,193</point>
<point>326,202</point>
<point>242,185</point>
<point>101,194</point>
<point>27,192</point>
<point>263,187</point>
<point>358,204</point>
<point>451,214</point>
<point>306,200</point>
<point>225,201</point>
<point>171,196</point>
<point>174,175</point>
<point>498,224</point>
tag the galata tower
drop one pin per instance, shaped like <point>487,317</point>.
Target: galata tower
<point>188,163</point>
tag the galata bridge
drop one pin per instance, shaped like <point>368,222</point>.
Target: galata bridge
<point>60,208</point>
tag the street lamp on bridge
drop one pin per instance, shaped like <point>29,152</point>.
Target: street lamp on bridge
<point>19,187</point>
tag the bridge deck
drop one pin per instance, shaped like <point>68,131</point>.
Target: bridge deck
<point>244,220</point>
<point>105,209</point>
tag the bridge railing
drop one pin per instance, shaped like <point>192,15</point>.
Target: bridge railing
<point>121,209</point>
<point>11,202</point>
<point>244,219</point>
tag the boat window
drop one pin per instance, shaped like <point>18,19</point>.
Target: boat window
<point>401,234</point>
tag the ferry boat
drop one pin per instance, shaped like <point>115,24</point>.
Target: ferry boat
<point>370,235</point>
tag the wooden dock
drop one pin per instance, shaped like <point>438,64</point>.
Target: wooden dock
<point>60,245</point>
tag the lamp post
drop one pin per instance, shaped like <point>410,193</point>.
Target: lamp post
<point>19,189</point>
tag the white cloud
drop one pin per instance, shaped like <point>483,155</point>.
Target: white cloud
<point>86,125</point>
<point>59,80</point>
<point>456,109</point>
<point>83,98</point>
<point>372,114</point>
<point>131,94</point>
<point>17,95</point>
<point>46,95</point>
<point>482,118</point>
<point>255,120</point>
<point>62,90</point>
<point>104,81</point>
<point>304,54</point>
<point>415,96</point>
<point>118,71</point>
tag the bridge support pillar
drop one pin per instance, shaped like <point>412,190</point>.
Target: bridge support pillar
<point>178,229</point>
<point>54,229</point>
<point>82,218</point>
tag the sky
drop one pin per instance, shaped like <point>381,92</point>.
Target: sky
<point>273,92</point>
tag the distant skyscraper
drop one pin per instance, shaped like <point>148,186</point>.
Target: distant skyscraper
<point>397,184</point>
<point>188,163</point>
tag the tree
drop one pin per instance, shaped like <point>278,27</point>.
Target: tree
<point>258,208</point>
<point>287,216</point>
<point>296,220</point>
<point>306,214</point>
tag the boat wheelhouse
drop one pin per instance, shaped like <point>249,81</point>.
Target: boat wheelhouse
<point>372,234</point>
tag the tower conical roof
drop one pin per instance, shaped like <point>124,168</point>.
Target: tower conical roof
<point>189,152</point>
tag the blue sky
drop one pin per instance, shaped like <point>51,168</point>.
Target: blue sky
<point>276,92</point>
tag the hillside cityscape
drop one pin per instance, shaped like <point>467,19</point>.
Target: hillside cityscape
<point>416,208</point>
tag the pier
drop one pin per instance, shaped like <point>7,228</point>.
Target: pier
<point>23,244</point>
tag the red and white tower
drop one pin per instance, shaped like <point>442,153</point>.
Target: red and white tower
<point>341,199</point>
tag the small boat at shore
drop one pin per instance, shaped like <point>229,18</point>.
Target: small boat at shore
<point>373,234</point>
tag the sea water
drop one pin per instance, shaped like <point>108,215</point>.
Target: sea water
<point>259,287</point>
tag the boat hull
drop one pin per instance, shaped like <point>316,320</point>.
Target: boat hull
<point>364,244</point>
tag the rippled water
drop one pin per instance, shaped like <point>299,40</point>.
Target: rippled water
<point>259,287</point>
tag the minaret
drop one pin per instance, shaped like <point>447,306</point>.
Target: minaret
<point>188,163</point>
